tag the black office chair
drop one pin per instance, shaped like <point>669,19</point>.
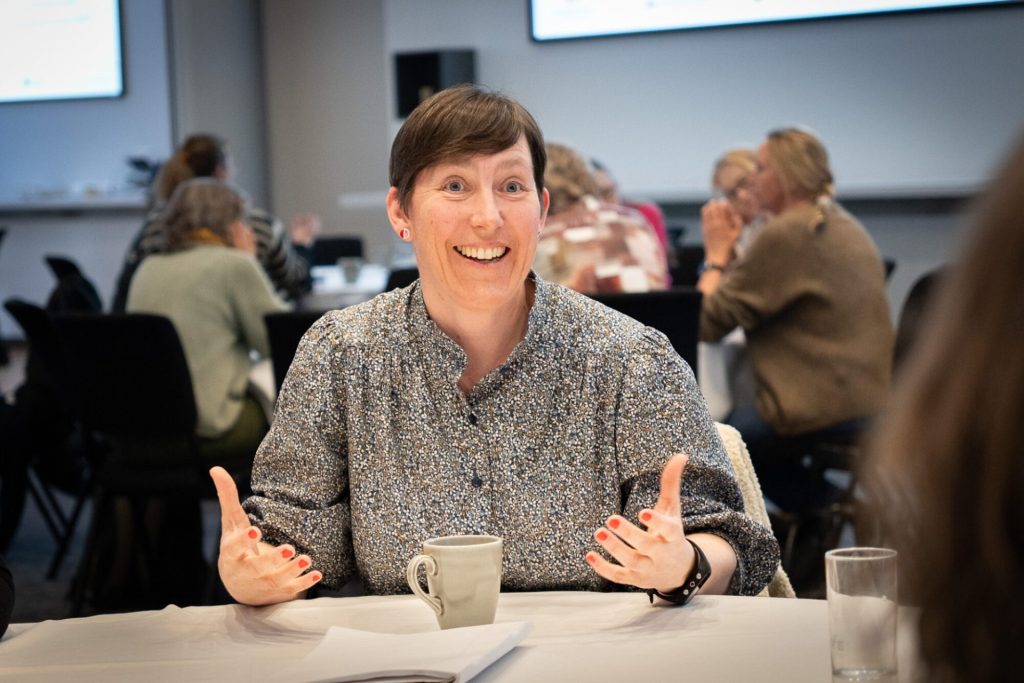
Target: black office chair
<point>676,312</point>
<point>131,384</point>
<point>284,330</point>
<point>74,291</point>
<point>327,250</point>
<point>686,261</point>
<point>401,277</point>
<point>823,464</point>
<point>44,402</point>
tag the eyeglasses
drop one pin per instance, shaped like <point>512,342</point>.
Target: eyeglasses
<point>731,193</point>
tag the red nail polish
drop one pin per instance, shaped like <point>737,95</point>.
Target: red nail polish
<point>317,576</point>
<point>645,516</point>
<point>590,558</point>
<point>303,564</point>
<point>286,553</point>
<point>613,522</point>
<point>253,534</point>
<point>602,535</point>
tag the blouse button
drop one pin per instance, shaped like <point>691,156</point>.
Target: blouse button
<point>472,419</point>
<point>477,481</point>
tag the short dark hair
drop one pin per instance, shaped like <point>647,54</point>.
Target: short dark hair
<point>460,121</point>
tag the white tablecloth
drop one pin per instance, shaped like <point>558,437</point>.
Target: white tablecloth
<point>574,637</point>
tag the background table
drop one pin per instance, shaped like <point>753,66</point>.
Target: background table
<point>575,636</point>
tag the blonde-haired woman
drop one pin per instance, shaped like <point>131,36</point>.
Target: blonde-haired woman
<point>810,296</point>
<point>732,180</point>
<point>589,246</point>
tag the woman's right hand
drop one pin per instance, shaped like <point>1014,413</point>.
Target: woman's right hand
<point>255,573</point>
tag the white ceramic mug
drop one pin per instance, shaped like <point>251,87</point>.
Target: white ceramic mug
<point>463,579</point>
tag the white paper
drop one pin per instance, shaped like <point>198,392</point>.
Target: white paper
<point>455,655</point>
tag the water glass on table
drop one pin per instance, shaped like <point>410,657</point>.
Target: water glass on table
<point>862,608</point>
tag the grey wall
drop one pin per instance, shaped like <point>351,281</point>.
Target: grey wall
<point>327,114</point>
<point>217,83</point>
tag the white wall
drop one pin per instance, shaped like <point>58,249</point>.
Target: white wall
<point>76,143</point>
<point>907,104</point>
<point>217,82</point>
<point>327,114</point>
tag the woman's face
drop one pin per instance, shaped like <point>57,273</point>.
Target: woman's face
<point>734,183</point>
<point>767,185</point>
<point>474,225</point>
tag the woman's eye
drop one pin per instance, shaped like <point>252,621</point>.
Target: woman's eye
<point>514,186</point>
<point>454,186</point>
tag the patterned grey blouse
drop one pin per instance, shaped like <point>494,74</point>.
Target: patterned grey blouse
<point>375,449</point>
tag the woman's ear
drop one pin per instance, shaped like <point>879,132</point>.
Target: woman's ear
<point>399,219</point>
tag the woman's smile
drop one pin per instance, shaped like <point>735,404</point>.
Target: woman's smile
<point>482,254</point>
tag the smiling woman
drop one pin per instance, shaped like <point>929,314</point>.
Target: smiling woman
<point>483,400</point>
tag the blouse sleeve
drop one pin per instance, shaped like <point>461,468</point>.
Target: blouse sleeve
<point>661,412</point>
<point>300,475</point>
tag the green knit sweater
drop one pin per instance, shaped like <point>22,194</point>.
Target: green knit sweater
<point>810,297</point>
<point>216,297</point>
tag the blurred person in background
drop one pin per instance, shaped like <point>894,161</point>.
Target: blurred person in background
<point>608,192</point>
<point>589,246</point>
<point>944,475</point>
<point>284,254</point>
<point>210,285</point>
<point>731,181</point>
<point>809,293</point>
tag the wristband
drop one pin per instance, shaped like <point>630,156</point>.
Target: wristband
<point>696,579</point>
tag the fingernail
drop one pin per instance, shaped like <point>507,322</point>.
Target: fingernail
<point>602,535</point>
<point>286,553</point>
<point>253,534</point>
<point>614,522</point>
<point>591,558</point>
<point>317,576</point>
<point>303,564</point>
<point>645,516</point>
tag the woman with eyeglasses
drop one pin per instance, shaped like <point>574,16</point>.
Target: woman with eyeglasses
<point>809,293</point>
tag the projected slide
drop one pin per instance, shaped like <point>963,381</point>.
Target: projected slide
<point>558,19</point>
<point>59,49</point>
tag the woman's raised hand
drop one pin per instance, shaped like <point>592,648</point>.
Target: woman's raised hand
<point>721,226</point>
<point>255,573</point>
<point>658,557</point>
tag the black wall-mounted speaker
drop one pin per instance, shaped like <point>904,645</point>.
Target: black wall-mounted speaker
<point>418,75</point>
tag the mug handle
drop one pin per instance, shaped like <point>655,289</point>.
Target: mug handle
<point>414,581</point>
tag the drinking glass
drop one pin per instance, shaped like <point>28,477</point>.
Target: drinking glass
<point>862,613</point>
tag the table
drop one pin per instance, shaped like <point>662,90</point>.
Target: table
<point>332,290</point>
<point>575,636</point>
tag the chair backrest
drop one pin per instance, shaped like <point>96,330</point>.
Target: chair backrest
<point>753,500</point>
<point>688,258</point>
<point>128,374</point>
<point>74,291</point>
<point>890,266</point>
<point>327,250</point>
<point>401,277</point>
<point>284,330</point>
<point>676,312</point>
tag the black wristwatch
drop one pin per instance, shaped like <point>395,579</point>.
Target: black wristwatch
<point>708,265</point>
<point>698,576</point>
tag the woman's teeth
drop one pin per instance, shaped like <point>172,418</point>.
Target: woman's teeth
<point>486,254</point>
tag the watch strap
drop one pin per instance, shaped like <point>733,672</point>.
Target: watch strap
<point>709,265</point>
<point>696,579</point>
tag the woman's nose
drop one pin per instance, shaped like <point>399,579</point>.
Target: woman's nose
<point>486,212</point>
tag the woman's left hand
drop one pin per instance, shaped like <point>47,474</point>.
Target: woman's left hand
<point>658,557</point>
